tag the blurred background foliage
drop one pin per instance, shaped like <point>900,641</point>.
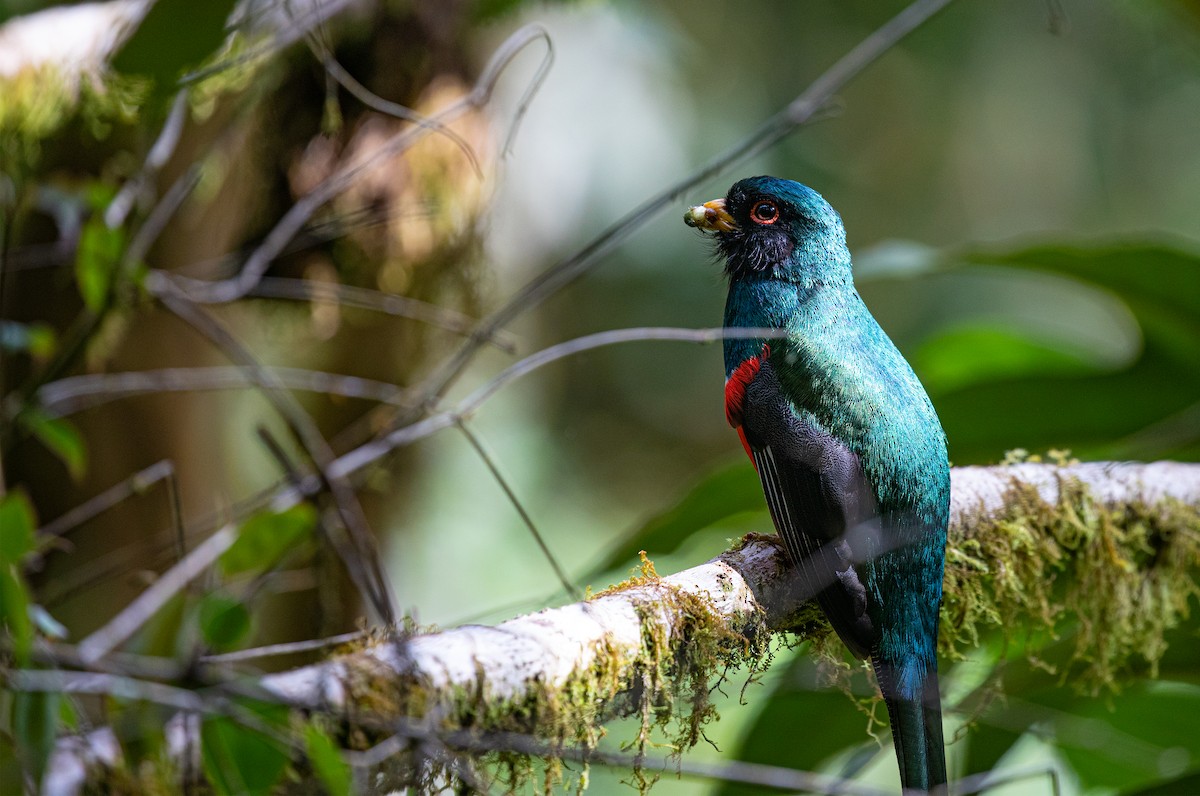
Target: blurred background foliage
<point>1019,181</point>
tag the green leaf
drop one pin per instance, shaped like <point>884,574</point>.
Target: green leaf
<point>1147,735</point>
<point>327,762</point>
<point>265,538</point>
<point>966,356</point>
<point>722,494</point>
<point>37,339</point>
<point>16,527</point>
<point>1100,357</point>
<point>986,744</point>
<point>238,760</point>
<point>96,261</point>
<point>803,724</point>
<point>10,766</point>
<point>14,612</point>
<point>60,437</point>
<point>1112,414</point>
<point>175,35</point>
<point>35,725</point>
<point>224,621</point>
<point>1188,783</point>
<point>98,195</point>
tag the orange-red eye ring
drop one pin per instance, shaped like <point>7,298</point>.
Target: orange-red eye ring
<point>764,212</point>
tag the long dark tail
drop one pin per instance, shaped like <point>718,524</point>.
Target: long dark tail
<point>914,706</point>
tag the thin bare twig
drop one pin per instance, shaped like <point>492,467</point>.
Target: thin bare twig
<point>788,779</point>
<point>987,780</point>
<point>175,507</point>
<point>365,454</point>
<point>275,449</point>
<point>146,667</point>
<point>77,393</point>
<point>135,484</point>
<point>357,550</point>
<point>281,35</point>
<point>90,573</point>
<point>365,298</point>
<point>158,217</point>
<point>161,151</point>
<point>256,264</point>
<point>286,493</point>
<point>148,603</point>
<point>798,112</point>
<point>107,685</point>
<point>494,469</point>
<point>378,103</point>
<point>531,90</point>
<point>287,648</point>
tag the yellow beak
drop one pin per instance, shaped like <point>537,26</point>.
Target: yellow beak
<point>711,217</point>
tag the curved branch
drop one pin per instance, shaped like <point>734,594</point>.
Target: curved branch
<point>557,674</point>
<point>77,393</point>
<point>602,642</point>
<point>369,452</point>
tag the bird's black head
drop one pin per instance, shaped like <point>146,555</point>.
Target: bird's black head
<point>768,228</point>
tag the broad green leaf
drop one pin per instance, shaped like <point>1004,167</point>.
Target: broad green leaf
<point>96,261</point>
<point>803,723</point>
<point>60,437</point>
<point>265,538</point>
<point>1087,324</point>
<point>1145,734</point>
<point>327,762</point>
<point>1102,357</point>
<point>98,195</point>
<point>718,496</point>
<point>14,612</point>
<point>35,725</point>
<point>966,356</point>
<point>238,760</point>
<point>175,35</point>
<point>1148,734</point>
<point>224,621</point>
<point>16,527</point>
<point>1108,414</point>
<point>1188,783</point>
<point>986,745</point>
<point>10,766</point>
<point>1179,662</point>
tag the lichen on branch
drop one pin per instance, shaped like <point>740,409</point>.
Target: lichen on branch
<point>1117,576</point>
<point>1031,547</point>
<point>1108,553</point>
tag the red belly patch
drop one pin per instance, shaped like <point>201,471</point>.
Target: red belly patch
<point>735,387</point>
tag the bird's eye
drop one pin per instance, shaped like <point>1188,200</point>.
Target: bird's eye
<point>764,212</point>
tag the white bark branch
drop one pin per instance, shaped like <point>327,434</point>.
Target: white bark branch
<point>552,646</point>
<point>979,494</point>
<point>78,40</point>
<point>553,672</point>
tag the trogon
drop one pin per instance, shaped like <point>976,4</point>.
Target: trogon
<point>850,453</point>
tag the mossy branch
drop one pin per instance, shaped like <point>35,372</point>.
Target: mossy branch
<point>1113,549</point>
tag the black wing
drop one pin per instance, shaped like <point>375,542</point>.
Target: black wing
<point>821,502</point>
